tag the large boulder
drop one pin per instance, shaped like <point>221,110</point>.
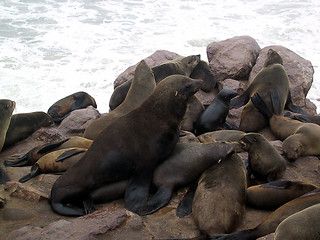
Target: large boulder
<point>155,59</point>
<point>233,58</point>
<point>300,73</point>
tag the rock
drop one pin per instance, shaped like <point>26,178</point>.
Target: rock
<point>78,120</point>
<point>157,58</point>
<point>47,135</point>
<point>237,85</point>
<point>233,58</point>
<point>23,191</point>
<point>82,228</point>
<point>300,73</point>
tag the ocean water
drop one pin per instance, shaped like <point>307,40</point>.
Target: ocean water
<point>52,48</point>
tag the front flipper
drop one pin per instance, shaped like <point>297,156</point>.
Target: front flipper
<point>69,153</point>
<point>159,200</point>
<point>302,118</point>
<point>137,190</point>
<point>88,206</point>
<point>277,184</point>
<point>35,171</point>
<point>240,101</point>
<point>185,206</point>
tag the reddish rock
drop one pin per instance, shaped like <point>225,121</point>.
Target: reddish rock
<point>237,85</point>
<point>157,58</point>
<point>299,70</point>
<point>23,191</point>
<point>78,120</point>
<point>233,58</point>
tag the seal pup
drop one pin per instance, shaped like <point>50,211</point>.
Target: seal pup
<point>130,148</point>
<point>303,225</point>
<point>273,195</point>
<point>215,115</point>
<point>299,139</point>
<point>270,223</point>
<point>183,167</point>
<point>22,125</point>
<point>219,202</point>
<point>32,156</point>
<point>55,162</point>
<point>272,76</point>
<point>142,86</point>
<point>62,108</point>
<point>264,160</point>
<point>221,135</point>
<point>183,66</point>
<point>6,108</point>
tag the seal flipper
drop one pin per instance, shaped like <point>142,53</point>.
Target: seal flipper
<point>51,146</point>
<point>88,206</point>
<point>137,190</point>
<point>20,162</point>
<point>67,210</point>
<point>159,200</point>
<point>69,153</point>
<point>242,235</point>
<point>303,119</point>
<point>241,100</point>
<point>293,108</point>
<point>261,105</point>
<point>185,205</point>
<point>35,171</point>
<point>277,184</point>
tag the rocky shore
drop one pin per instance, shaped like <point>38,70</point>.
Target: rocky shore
<point>26,214</point>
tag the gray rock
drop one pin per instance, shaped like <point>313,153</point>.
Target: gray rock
<point>25,192</point>
<point>233,58</point>
<point>78,120</point>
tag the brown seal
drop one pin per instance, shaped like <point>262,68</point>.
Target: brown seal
<point>183,66</point>
<point>183,167</point>
<point>32,156</point>
<point>62,108</point>
<point>219,201</point>
<point>301,225</point>
<point>141,88</point>
<point>55,162</point>
<point>203,71</point>
<point>221,135</point>
<point>264,159</point>
<point>271,222</point>
<point>130,148</point>
<point>299,139</point>
<point>22,125</point>
<point>6,108</point>
<point>194,110</point>
<point>272,76</point>
<point>272,195</point>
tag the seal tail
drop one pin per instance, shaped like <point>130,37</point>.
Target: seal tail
<point>261,105</point>
<point>159,200</point>
<point>35,171</point>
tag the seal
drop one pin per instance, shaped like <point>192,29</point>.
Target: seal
<point>32,156</point>
<point>22,125</point>
<point>272,76</point>
<point>273,195</point>
<point>183,66</point>
<point>215,115</point>
<point>264,159</point>
<point>203,71</point>
<point>299,139</point>
<point>194,109</point>
<point>301,225</point>
<point>62,108</point>
<point>184,167</point>
<point>220,198</point>
<point>271,222</point>
<point>55,162</point>
<point>130,148</point>
<point>6,108</point>
<point>141,88</point>
<point>221,135</point>
<point>306,118</point>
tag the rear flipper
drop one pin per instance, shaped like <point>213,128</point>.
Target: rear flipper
<point>20,162</point>
<point>35,171</point>
<point>293,108</point>
<point>277,184</point>
<point>185,206</point>
<point>301,118</point>
<point>159,200</point>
